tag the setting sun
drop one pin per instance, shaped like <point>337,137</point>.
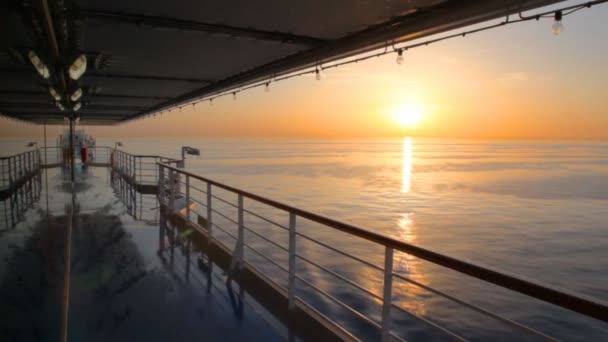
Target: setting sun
<point>408,114</point>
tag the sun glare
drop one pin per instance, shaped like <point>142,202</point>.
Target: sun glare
<point>408,114</point>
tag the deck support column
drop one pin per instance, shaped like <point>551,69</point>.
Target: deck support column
<point>72,149</point>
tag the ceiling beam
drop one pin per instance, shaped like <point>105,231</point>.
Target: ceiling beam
<point>89,95</point>
<point>28,105</point>
<point>117,76</point>
<point>145,77</point>
<point>188,25</point>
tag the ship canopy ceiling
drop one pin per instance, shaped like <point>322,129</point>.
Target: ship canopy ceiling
<point>146,56</point>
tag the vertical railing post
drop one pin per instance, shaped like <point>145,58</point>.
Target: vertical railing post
<point>21,165</point>
<point>209,212</point>
<point>172,190</point>
<point>388,294</point>
<point>291,294</point>
<point>188,197</point>
<point>161,184</point>
<point>241,240</point>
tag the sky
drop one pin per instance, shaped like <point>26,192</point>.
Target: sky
<point>515,82</point>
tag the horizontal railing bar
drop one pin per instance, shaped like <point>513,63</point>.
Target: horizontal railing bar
<point>433,324</point>
<point>223,230</point>
<point>196,201</point>
<point>224,216</point>
<point>197,189</point>
<point>339,276</point>
<point>266,239</point>
<point>587,306</point>
<point>475,308</point>
<point>367,263</point>
<point>223,200</point>
<point>267,258</point>
<point>265,219</point>
<point>339,302</point>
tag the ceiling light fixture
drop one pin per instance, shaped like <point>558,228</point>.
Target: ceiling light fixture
<point>76,95</point>
<point>78,67</point>
<point>42,69</point>
<point>54,94</point>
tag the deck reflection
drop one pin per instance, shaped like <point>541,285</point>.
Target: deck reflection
<point>122,286</point>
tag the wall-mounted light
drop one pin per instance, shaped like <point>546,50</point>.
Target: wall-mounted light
<point>78,67</point>
<point>76,95</point>
<point>42,69</point>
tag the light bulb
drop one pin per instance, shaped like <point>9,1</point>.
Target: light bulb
<point>42,69</point>
<point>78,67</point>
<point>60,106</point>
<point>77,106</point>
<point>317,75</point>
<point>557,26</point>
<point>210,102</point>
<point>400,57</point>
<point>234,96</point>
<point>267,88</point>
<point>54,94</point>
<point>76,95</point>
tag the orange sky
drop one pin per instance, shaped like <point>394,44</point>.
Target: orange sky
<point>517,82</point>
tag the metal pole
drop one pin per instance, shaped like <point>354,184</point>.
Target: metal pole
<point>188,197</point>
<point>171,187</point>
<point>45,161</point>
<point>241,235</point>
<point>72,149</point>
<point>292,262</point>
<point>209,223</point>
<point>388,295</point>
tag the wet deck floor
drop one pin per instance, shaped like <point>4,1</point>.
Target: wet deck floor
<point>121,288</point>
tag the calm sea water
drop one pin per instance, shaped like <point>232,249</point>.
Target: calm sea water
<point>535,209</point>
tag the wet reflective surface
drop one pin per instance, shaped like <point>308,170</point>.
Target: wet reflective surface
<point>122,287</point>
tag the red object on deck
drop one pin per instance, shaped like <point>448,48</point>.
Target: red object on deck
<point>83,154</point>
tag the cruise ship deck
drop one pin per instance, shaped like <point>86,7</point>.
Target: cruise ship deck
<point>137,247</point>
<point>121,287</point>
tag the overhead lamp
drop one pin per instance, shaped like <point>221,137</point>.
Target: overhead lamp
<point>77,106</point>
<point>317,74</point>
<point>267,87</point>
<point>399,56</point>
<point>78,67</point>
<point>42,69</point>
<point>54,94</point>
<point>60,106</point>
<point>557,26</point>
<point>76,95</point>
<point>234,95</point>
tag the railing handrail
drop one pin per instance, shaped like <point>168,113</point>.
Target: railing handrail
<point>145,156</point>
<point>18,154</point>
<point>591,307</point>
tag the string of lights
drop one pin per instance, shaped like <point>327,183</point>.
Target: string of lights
<point>556,28</point>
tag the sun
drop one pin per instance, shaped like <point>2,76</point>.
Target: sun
<point>408,114</point>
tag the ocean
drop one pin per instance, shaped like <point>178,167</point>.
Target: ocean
<point>533,209</point>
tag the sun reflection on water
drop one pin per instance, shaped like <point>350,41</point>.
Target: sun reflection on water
<point>406,178</point>
<point>408,295</point>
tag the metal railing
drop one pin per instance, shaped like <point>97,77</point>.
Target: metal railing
<point>16,168</point>
<point>142,169</point>
<point>279,247</point>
